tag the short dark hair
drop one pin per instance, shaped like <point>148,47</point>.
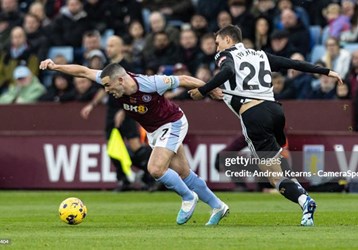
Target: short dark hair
<point>112,69</point>
<point>207,36</point>
<point>92,33</point>
<point>232,31</point>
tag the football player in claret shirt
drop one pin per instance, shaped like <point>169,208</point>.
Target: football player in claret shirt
<point>246,78</point>
<point>142,98</point>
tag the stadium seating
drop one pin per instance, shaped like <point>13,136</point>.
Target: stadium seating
<point>66,51</point>
<point>351,47</point>
<point>318,50</point>
<point>315,33</point>
<point>317,53</point>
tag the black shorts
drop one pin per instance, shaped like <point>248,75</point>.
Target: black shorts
<point>263,127</point>
<point>128,129</point>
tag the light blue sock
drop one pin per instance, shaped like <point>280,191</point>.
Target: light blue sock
<point>199,186</point>
<point>172,181</point>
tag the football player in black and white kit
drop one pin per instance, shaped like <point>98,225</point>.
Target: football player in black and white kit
<point>247,86</point>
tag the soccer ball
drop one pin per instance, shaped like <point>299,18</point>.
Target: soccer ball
<point>72,211</point>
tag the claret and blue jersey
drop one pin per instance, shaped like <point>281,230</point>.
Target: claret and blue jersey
<point>148,106</point>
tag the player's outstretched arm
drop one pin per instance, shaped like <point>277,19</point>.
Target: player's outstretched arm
<point>193,84</point>
<point>70,69</point>
<point>190,82</point>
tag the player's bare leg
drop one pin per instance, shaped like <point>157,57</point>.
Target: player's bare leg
<point>158,167</point>
<point>292,191</point>
<point>195,183</point>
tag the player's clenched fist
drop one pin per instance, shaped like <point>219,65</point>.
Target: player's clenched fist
<point>195,94</point>
<point>47,64</point>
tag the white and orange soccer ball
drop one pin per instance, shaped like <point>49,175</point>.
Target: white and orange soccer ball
<point>72,211</point>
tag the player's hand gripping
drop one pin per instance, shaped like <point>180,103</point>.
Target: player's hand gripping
<point>47,64</point>
<point>195,94</point>
<point>335,75</point>
<point>217,94</point>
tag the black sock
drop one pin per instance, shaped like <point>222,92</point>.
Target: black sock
<point>286,167</point>
<point>141,156</point>
<point>290,190</point>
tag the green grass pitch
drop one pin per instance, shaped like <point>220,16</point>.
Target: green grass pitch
<point>139,220</point>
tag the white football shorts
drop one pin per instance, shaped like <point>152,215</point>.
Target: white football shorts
<point>169,135</point>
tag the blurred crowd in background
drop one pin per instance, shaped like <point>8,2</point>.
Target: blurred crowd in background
<point>171,37</point>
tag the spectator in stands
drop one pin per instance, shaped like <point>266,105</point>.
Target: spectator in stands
<point>5,30</point>
<point>121,13</point>
<point>38,9</point>
<point>351,35</point>
<point>336,58</point>
<point>352,81</point>
<point>208,51</point>
<point>136,39</point>
<point>85,89</point>
<point>98,13</point>
<point>264,8</point>
<point>18,53</point>
<point>10,9</point>
<point>297,31</point>
<point>27,87</point>
<point>352,75</point>
<point>114,51</point>
<point>348,8</point>
<point>326,90</point>
<point>35,36</point>
<point>223,19</point>
<point>300,12</point>
<point>91,41</point>
<point>280,45</point>
<point>282,88</point>
<point>60,58</point>
<point>315,77</point>
<point>314,9</point>
<point>173,10</point>
<point>248,43</point>
<point>262,33</point>
<point>336,22</point>
<point>96,59</point>
<point>189,49</point>
<point>203,73</point>
<point>158,24</point>
<point>210,10</point>
<point>53,7</point>
<point>70,25</point>
<point>242,17</point>
<point>199,24</point>
<point>165,52</point>
<point>60,90</point>
<point>342,91</point>
<point>300,81</point>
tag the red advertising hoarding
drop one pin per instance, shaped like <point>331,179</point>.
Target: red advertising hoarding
<point>51,147</point>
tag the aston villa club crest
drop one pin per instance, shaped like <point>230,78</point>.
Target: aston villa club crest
<point>146,98</point>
